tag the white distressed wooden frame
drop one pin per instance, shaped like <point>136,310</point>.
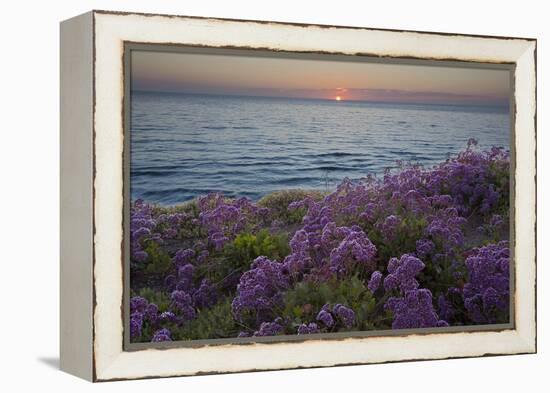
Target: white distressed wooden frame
<point>92,195</point>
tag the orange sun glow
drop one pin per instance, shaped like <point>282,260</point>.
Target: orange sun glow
<point>338,98</point>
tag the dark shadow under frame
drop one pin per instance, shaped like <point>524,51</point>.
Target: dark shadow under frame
<point>129,47</point>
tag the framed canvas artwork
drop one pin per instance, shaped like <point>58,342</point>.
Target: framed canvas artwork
<point>247,195</point>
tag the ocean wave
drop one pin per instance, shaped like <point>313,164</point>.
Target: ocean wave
<point>185,146</point>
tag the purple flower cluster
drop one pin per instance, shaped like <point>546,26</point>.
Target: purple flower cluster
<point>447,311</point>
<point>136,324</point>
<point>322,250</point>
<point>300,260</point>
<point>146,224</point>
<point>223,218</point>
<point>326,318</point>
<point>141,227</point>
<point>424,247</point>
<point>355,250</point>
<point>310,328</point>
<point>142,312</point>
<point>183,257</point>
<point>260,290</point>
<point>469,179</point>
<point>183,308</point>
<point>389,226</point>
<point>185,277</point>
<point>339,314</point>
<point>344,314</point>
<point>270,328</point>
<point>446,227</point>
<point>395,243</point>
<point>161,335</point>
<point>487,291</point>
<point>183,303</point>
<point>375,281</point>
<point>414,310</point>
<point>402,273</point>
<point>205,295</point>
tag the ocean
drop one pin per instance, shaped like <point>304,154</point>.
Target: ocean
<point>184,145</point>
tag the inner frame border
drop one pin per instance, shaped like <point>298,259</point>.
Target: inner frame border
<point>131,46</point>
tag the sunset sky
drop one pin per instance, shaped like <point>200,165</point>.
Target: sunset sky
<point>320,79</point>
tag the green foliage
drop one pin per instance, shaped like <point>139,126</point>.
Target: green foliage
<point>499,174</point>
<point>190,208</point>
<point>438,275</point>
<point>236,257</point>
<point>490,232</point>
<point>303,302</point>
<point>278,203</point>
<point>410,229</point>
<point>246,246</point>
<point>158,261</point>
<point>161,299</point>
<point>214,322</point>
<point>186,229</point>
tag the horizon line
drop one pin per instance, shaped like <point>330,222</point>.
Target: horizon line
<point>472,104</point>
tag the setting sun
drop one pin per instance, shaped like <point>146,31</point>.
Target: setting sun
<point>338,98</point>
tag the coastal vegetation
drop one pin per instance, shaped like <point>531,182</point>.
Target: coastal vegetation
<point>414,248</point>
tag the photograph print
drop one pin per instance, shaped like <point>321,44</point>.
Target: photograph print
<point>281,195</point>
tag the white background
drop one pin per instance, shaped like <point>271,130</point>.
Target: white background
<point>29,196</point>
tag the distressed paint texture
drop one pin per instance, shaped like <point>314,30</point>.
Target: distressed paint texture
<point>113,30</point>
